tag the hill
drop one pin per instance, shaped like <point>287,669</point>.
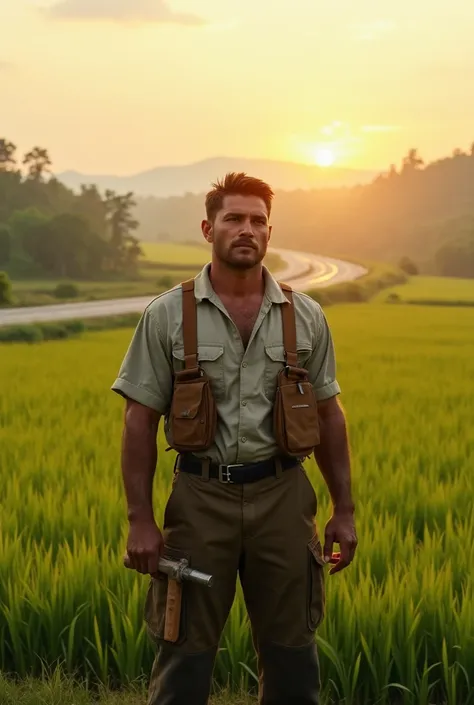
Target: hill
<point>177,180</point>
<point>412,210</point>
<point>423,212</point>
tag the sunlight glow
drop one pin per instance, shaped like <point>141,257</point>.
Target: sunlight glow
<point>324,156</point>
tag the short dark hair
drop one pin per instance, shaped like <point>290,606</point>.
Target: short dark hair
<point>237,183</point>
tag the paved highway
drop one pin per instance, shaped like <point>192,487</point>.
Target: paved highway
<point>305,271</point>
<point>302,270</point>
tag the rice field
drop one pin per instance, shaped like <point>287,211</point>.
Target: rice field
<point>444,289</point>
<point>399,625</point>
<point>175,253</point>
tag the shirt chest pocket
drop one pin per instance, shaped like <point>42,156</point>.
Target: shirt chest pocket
<point>211,361</point>
<point>275,361</point>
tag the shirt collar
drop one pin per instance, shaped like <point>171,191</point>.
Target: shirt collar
<point>203,287</point>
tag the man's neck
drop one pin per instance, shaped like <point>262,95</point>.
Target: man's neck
<point>227,281</point>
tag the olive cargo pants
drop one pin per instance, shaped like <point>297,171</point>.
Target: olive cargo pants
<point>263,532</point>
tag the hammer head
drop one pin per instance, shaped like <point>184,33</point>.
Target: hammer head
<point>178,571</point>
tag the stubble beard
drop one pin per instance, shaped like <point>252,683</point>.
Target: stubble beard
<point>239,262</point>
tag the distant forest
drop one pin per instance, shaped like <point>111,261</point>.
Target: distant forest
<point>423,211</point>
<point>48,230</point>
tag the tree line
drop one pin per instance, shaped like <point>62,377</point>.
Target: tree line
<point>47,229</point>
<point>423,211</point>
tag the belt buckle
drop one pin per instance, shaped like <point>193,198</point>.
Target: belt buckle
<point>224,475</point>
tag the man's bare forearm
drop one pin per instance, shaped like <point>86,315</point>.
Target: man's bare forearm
<point>333,456</point>
<point>139,458</point>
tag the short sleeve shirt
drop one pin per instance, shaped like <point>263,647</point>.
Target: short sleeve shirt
<point>243,380</point>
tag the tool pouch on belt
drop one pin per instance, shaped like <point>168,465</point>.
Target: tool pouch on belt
<point>193,414</point>
<point>295,414</point>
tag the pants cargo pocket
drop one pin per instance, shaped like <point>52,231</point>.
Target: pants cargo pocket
<point>316,584</point>
<point>156,601</point>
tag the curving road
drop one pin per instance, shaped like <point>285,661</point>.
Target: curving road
<point>304,271</point>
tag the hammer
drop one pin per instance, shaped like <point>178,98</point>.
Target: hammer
<point>177,571</point>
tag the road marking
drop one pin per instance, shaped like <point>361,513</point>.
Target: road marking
<point>333,270</point>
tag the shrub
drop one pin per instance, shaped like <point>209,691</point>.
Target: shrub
<point>165,282</point>
<point>348,291</point>
<point>6,295</point>
<point>66,291</point>
<point>5,244</point>
<point>321,296</point>
<point>54,331</point>
<point>21,334</point>
<point>74,327</point>
<point>127,320</point>
<point>36,333</point>
<point>407,265</point>
<point>440,302</point>
<point>392,298</point>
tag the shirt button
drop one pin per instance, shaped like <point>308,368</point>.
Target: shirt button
<point>244,403</point>
<point>244,439</point>
<point>244,364</point>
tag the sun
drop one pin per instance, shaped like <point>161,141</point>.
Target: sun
<point>324,156</point>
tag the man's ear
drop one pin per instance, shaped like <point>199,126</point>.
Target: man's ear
<point>206,227</point>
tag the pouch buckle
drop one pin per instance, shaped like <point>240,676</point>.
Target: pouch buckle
<point>224,474</point>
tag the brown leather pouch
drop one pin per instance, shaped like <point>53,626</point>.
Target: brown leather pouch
<point>295,414</point>
<point>193,413</point>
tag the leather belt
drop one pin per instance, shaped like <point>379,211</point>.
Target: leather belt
<point>236,473</point>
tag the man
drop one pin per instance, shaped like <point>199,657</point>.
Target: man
<point>224,523</point>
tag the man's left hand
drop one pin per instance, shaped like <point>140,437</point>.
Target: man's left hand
<point>340,529</point>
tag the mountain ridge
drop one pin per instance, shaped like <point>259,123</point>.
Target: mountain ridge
<point>196,177</point>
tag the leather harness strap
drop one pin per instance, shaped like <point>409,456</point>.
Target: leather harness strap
<point>189,325</point>
<point>289,327</point>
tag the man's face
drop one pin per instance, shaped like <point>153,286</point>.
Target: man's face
<point>240,231</point>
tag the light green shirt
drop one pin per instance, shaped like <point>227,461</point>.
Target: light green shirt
<point>243,380</point>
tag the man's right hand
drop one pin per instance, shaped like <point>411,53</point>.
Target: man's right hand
<point>144,546</point>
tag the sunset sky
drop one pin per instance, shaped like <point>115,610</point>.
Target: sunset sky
<point>118,86</point>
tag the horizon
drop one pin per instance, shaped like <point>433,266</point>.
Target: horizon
<point>219,157</point>
<point>183,164</point>
<point>125,87</point>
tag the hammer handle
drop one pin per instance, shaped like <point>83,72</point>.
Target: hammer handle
<point>173,610</point>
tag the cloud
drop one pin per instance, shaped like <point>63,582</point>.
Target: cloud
<point>338,131</point>
<point>121,11</point>
<point>328,130</point>
<point>369,31</point>
<point>5,65</point>
<point>343,131</point>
